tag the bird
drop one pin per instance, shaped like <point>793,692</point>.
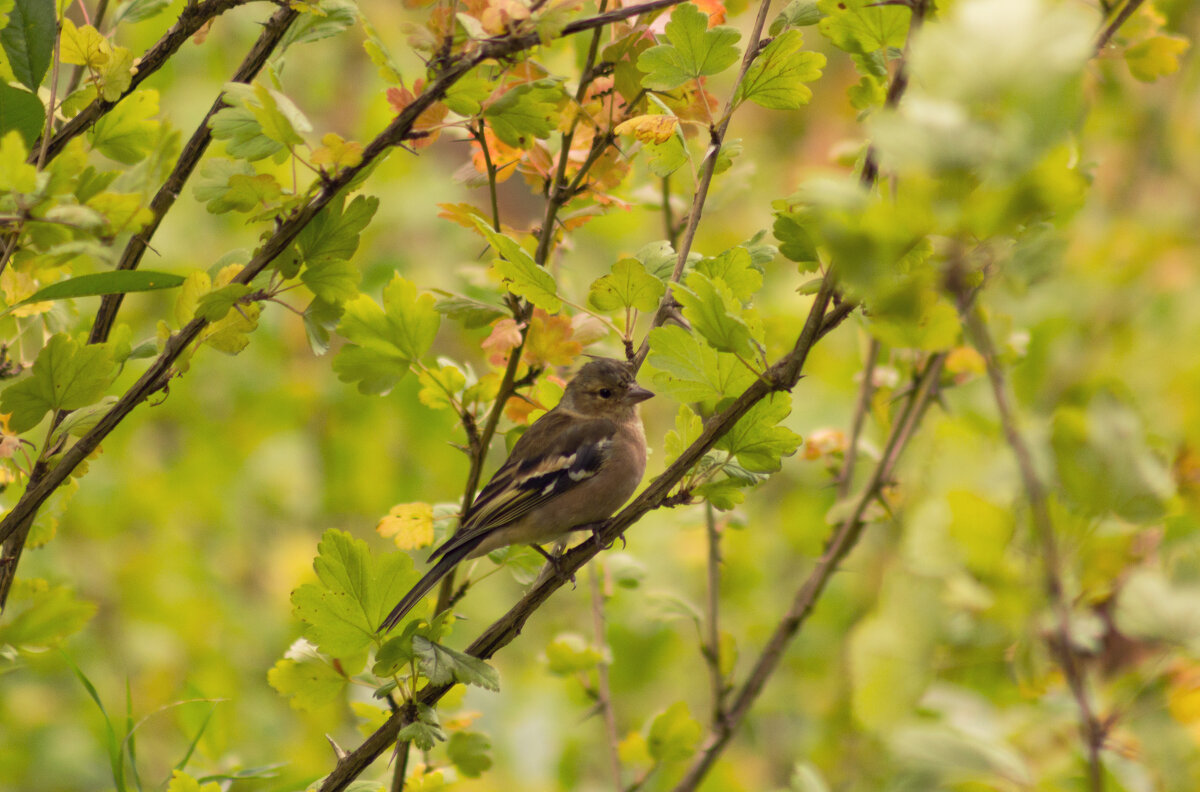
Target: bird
<point>574,466</point>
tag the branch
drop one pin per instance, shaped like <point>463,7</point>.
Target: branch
<point>711,643</point>
<point>783,375</point>
<point>1110,30</point>
<point>193,17</point>
<point>840,545</point>
<point>667,305</point>
<point>164,199</point>
<point>160,371</point>
<point>866,389</point>
<point>1090,727</point>
<point>603,689</point>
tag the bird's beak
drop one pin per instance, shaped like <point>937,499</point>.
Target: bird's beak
<point>637,393</point>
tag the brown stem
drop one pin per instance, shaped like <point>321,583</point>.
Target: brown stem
<point>401,768</point>
<point>166,196</point>
<point>712,649</point>
<point>844,539</point>
<point>1091,728</point>
<point>193,17</point>
<point>1110,30</point>
<point>865,390</point>
<point>603,689</point>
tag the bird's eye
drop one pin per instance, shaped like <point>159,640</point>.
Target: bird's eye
<point>605,393</point>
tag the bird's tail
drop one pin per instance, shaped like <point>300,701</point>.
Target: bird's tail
<point>444,565</point>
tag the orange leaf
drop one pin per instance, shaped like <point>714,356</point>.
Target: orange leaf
<point>505,336</point>
<point>429,119</point>
<point>550,341</point>
<point>715,10</point>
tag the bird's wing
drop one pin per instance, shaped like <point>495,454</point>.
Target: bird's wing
<point>559,452</point>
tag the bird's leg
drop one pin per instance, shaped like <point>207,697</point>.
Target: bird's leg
<point>600,544</point>
<point>553,559</point>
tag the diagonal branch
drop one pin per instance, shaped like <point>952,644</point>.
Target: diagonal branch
<point>164,199</point>
<point>159,373</point>
<point>193,17</point>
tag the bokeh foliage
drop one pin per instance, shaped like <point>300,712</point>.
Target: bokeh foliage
<point>169,589</point>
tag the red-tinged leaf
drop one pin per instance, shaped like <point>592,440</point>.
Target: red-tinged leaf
<point>430,119</point>
<point>462,213</point>
<point>549,341</point>
<point>505,336</point>
<point>715,10</point>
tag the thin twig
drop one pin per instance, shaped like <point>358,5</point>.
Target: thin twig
<point>401,769</point>
<point>843,541</point>
<point>862,406</point>
<point>603,689</point>
<point>1091,728</point>
<point>272,33</point>
<point>712,649</point>
<point>193,17</point>
<point>1110,30</point>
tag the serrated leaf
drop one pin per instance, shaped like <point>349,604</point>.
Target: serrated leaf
<point>325,19</point>
<point>423,735</point>
<point>691,371</point>
<point>334,233</point>
<point>756,440</point>
<point>467,95</point>
<point>469,753</point>
<point>410,525</point>
<point>15,174</point>
<point>627,286</point>
<point>28,40</point>
<point>694,50</point>
<point>710,306</point>
<point>523,277</point>
<point>245,137</point>
<point>733,267</point>
<point>214,306</point>
<point>667,157</point>
<point>308,684</point>
<point>776,78</point>
<point>439,384</point>
<point>354,592</point>
<point>525,113</point>
<point>139,10</point>
<point>863,26</point>
<point>65,376</point>
<point>472,313</point>
<point>688,428</point>
<point>797,13</point>
<point>442,665</point>
<point>674,734</point>
<point>384,341</point>
<point>332,280</point>
<point>1155,57</point>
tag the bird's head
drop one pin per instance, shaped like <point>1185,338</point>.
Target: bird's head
<point>604,387</point>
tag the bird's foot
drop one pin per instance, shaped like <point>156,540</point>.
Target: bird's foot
<point>554,560</point>
<point>600,545</point>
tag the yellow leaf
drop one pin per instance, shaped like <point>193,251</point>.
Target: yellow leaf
<point>409,524</point>
<point>633,750</point>
<point>84,46</point>
<point>337,154</point>
<point>649,128</point>
<point>1156,57</point>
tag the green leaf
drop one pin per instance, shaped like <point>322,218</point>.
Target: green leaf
<point>385,341</point>
<point>691,371</point>
<point>98,283</point>
<point>320,319</point>
<point>469,753</point>
<point>471,313</point>
<point>215,305</point>
<point>796,240</point>
<point>688,428</point>
<point>724,494</point>
<point>526,112</point>
<point>524,277</point>
<point>863,26</point>
<point>570,653</point>
<point>694,50</point>
<point>320,21</point>
<point>756,440</point>
<point>442,665</point>
<point>716,314</point>
<point>354,592</point>
<point>139,10</point>
<point>65,376</point>
<point>28,40</point>
<point>627,286</point>
<point>776,78</point>
<point>733,267</point>
<point>308,683</point>
<point>436,383</point>
<point>22,111</point>
<point>466,97</point>
<point>182,782</point>
<point>245,137</point>
<point>797,13</point>
<point>332,280</point>
<point>128,133</point>
<point>659,258</point>
<point>421,734</point>
<point>334,233</point>
<point>667,157</point>
<point>674,734</point>
<point>40,616</point>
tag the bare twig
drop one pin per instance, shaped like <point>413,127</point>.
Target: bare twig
<point>1091,728</point>
<point>865,389</point>
<point>193,17</point>
<point>603,689</point>
<point>189,157</point>
<point>1110,30</point>
<point>712,649</point>
<point>401,769</point>
<point>843,540</point>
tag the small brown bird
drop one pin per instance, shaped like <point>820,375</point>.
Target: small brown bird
<point>575,465</point>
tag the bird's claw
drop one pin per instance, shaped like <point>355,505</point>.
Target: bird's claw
<point>553,560</point>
